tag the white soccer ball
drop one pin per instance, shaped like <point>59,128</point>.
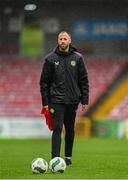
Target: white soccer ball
<point>57,164</point>
<point>39,165</point>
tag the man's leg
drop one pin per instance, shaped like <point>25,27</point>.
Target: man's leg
<point>57,112</point>
<point>69,120</point>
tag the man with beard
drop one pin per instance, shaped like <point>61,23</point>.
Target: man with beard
<point>63,85</point>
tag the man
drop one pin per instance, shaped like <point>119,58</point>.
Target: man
<point>63,84</point>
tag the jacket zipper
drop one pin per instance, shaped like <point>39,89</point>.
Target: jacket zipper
<point>65,65</point>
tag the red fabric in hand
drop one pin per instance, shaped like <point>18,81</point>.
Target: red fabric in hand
<point>48,118</point>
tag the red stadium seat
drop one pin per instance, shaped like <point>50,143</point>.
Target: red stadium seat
<point>19,83</point>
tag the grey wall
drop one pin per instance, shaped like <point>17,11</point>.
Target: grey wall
<point>10,28</point>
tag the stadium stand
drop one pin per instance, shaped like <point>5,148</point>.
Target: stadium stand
<point>102,72</point>
<point>19,84</point>
<point>120,111</point>
<point>19,87</point>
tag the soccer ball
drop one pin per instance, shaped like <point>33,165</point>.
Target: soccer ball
<point>57,164</point>
<point>39,165</point>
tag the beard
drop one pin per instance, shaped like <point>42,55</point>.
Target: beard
<point>63,47</point>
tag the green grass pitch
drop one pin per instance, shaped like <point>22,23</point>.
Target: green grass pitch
<point>93,158</point>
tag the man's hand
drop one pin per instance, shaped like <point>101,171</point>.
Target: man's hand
<point>46,107</point>
<point>84,107</point>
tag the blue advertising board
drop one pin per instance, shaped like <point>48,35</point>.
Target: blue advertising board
<point>98,29</point>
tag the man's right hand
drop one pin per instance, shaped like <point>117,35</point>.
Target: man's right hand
<point>46,107</point>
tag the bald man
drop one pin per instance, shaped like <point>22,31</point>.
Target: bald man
<point>63,85</point>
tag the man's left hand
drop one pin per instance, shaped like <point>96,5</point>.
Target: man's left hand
<point>84,107</point>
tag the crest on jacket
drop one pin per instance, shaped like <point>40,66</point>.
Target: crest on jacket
<point>73,63</point>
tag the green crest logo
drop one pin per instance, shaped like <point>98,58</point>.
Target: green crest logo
<point>73,63</point>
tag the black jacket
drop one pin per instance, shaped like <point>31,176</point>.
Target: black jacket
<point>64,78</point>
